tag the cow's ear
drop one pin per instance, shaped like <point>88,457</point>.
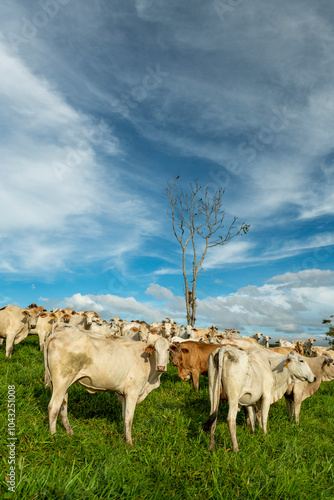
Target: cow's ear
<point>25,314</point>
<point>53,316</point>
<point>149,349</point>
<point>327,362</point>
<point>184,349</point>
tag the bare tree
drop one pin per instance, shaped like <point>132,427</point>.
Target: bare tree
<point>198,218</point>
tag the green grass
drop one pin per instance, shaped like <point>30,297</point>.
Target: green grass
<point>170,458</point>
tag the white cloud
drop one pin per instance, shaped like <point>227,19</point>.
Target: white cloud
<point>55,192</point>
<point>278,308</point>
<point>159,292</point>
<point>311,278</point>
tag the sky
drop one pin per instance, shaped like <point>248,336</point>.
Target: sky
<point>105,102</point>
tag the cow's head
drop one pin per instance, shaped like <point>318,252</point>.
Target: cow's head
<point>298,368</point>
<point>32,315</point>
<point>175,352</point>
<point>160,351</point>
<point>90,318</point>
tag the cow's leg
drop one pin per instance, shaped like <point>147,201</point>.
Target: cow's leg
<point>290,406</point>
<point>265,406</point>
<point>63,415</point>
<point>128,409</point>
<point>1,341</point>
<point>195,377</point>
<point>41,341</point>
<point>9,344</point>
<point>57,400</point>
<point>250,418</point>
<point>258,413</point>
<point>297,408</point>
<point>231,420</point>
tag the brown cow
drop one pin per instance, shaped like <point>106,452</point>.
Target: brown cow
<point>191,359</point>
<point>323,369</point>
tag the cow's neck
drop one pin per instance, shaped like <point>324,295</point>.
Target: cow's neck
<point>282,378</point>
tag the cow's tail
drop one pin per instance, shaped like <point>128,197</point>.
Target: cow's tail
<point>50,337</point>
<point>215,367</point>
<point>47,374</point>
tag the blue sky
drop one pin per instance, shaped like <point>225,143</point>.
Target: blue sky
<point>103,102</point>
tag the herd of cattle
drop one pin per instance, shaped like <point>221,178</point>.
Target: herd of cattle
<point>129,358</point>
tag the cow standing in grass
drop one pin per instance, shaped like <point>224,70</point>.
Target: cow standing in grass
<point>17,323</point>
<point>250,379</point>
<point>129,368</point>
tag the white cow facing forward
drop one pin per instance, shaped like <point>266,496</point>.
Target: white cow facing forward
<point>249,380</point>
<point>17,323</point>
<point>129,368</point>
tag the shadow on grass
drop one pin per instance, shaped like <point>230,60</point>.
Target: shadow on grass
<point>197,408</point>
<point>82,405</point>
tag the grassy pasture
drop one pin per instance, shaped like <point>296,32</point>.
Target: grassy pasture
<point>170,458</point>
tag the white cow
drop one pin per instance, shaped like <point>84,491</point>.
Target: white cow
<point>284,343</point>
<point>104,328</point>
<point>84,320</point>
<point>16,324</point>
<point>131,369</point>
<point>265,341</point>
<point>250,379</point>
<point>308,346</point>
<point>43,327</point>
<point>320,351</point>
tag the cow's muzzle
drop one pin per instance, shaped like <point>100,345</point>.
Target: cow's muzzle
<point>161,368</point>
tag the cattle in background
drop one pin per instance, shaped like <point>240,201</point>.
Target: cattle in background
<point>17,323</point>
<point>323,369</point>
<point>184,331</point>
<point>104,328</point>
<point>84,319</point>
<point>308,346</point>
<point>191,359</point>
<point>135,330</point>
<point>203,332</point>
<point>43,329</point>
<point>265,341</point>
<point>280,350</point>
<point>320,351</point>
<point>284,343</point>
<point>250,379</point>
<point>131,369</point>
<point>253,338</point>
